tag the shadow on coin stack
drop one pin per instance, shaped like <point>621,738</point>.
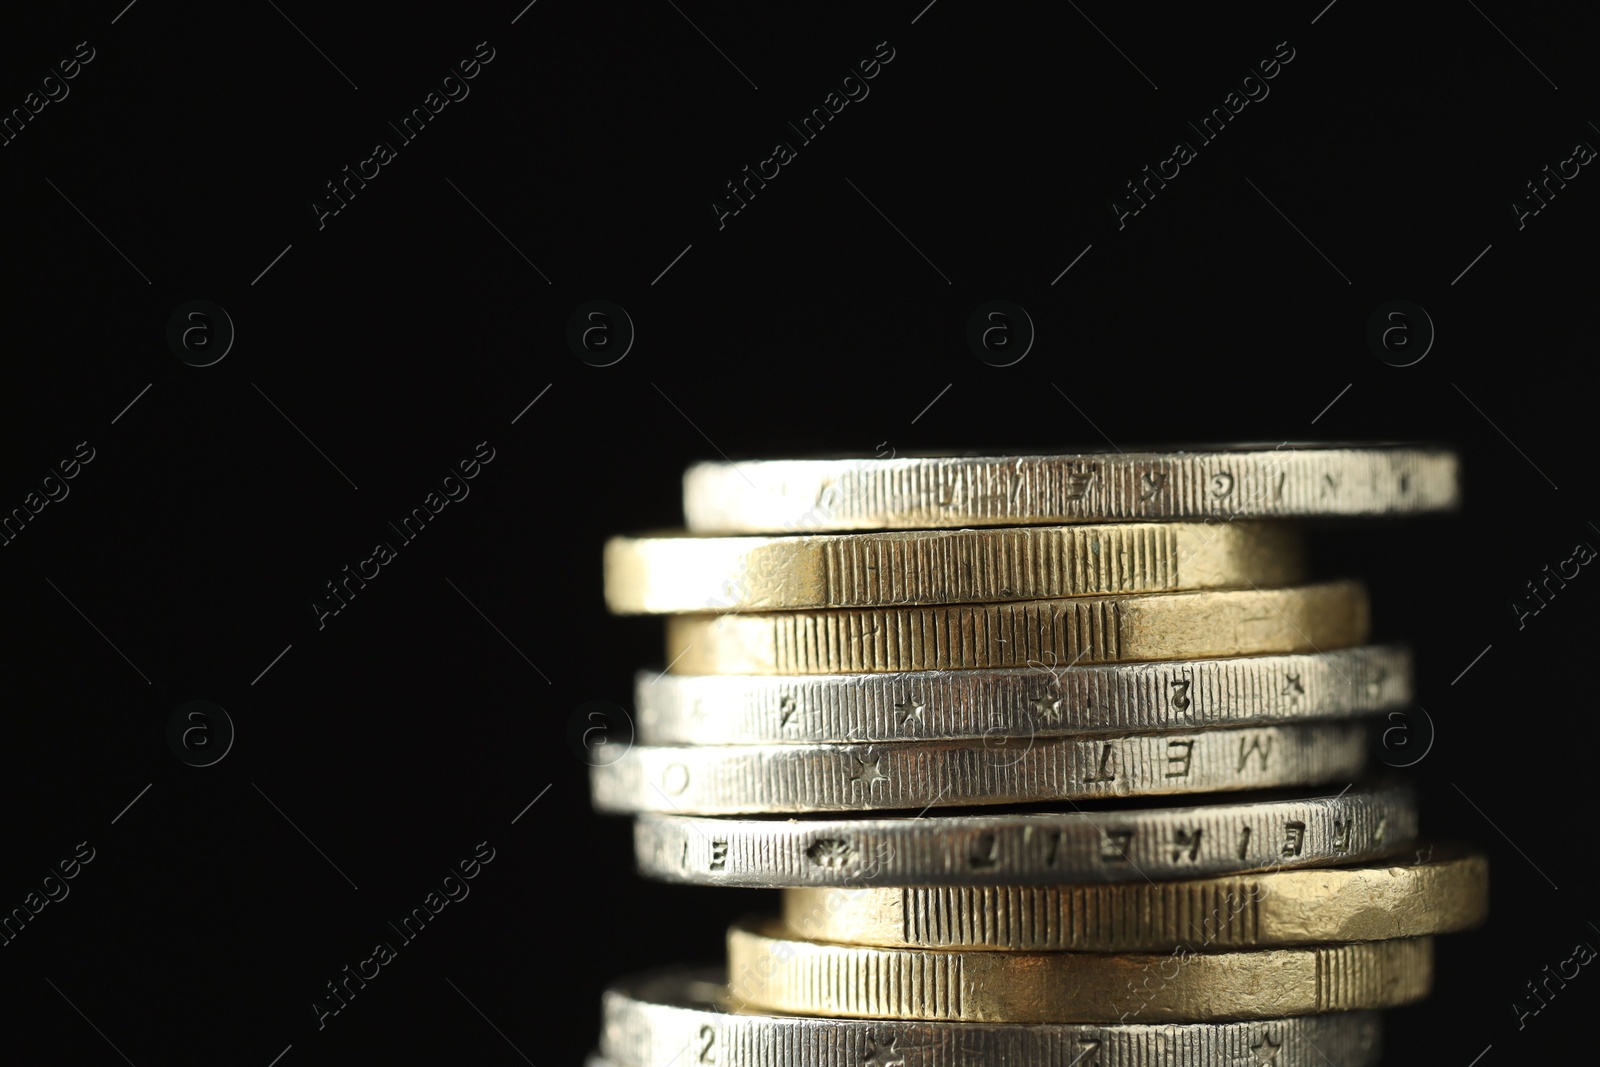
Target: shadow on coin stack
<point>1057,759</point>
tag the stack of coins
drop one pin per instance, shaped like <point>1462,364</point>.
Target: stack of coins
<point>956,707</point>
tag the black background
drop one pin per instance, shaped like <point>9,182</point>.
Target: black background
<point>824,317</point>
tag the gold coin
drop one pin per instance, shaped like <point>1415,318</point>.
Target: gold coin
<point>682,573</point>
<point>1055,633</point>
<point>768,970</point>
<point>1431,890</point>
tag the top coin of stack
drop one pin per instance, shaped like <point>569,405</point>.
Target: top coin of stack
<point>934,492</point>
<point>899,636</point>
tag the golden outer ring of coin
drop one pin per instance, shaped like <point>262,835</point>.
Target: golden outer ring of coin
<point>905,776</point>
<point>1434,889</point>
<point>771,971</point>
<point>1158,626</point>
<point>1228,482</point>
<point>670,573</point>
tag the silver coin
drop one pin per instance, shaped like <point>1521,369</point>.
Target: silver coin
<point>1208,482</point>
<point>680,1017</point>
<point>1002,769</point>
<point>1109,844</point>
<point>1042,701</point>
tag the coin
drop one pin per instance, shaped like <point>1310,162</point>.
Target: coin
<point>768,970</point>
<point>1112,844</point>
<point>1209,482</point>
<point>1042,700</point>
<point>1433,890</point>
<point>776,779</point>
<point>682,1016</point>
<point>1159,626</point>
<point>666,573</point>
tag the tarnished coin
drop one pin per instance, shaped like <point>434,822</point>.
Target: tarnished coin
<point>1157,626</point>
<point>680,573</point>
<point>932,492</point>
<point>768,970</point>
<point>1041,700</point>
<point>682,1017</point>
<point>1428,890</point>
<point>890,776</point>
<point>1115,843</point>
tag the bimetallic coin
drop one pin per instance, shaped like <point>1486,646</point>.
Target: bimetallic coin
<point>1113,844</point>
<point>768,970</point>
<point>1429,890</point>
<point>1158,626</point>
<point>777,779</point>
<point>678,573</point>
<point>1040,700</point>
<point>1234,482</point>
<point>682,1017</point>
